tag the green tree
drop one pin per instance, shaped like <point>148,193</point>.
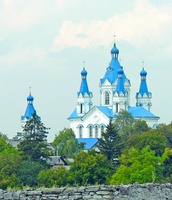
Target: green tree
<point>89,168</point>
<point>167,131</point>
<point>53,177</point>
<point>66,144</point>
<point>34,147</point>
<point>157,141</point>
<point>110,142</point>
<point>141,166</point>
<point>124,122</point>
<point>167,164</point>
<point>9,163</point>
<point>28,173</point>
<point>140,126</point>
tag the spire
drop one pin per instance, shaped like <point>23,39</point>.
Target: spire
<point>30,108</point>
<point>111,71</point>
<point>84,99</point>
<point>84,86</point>
<point>120,89</point>
<point>143,85</point>
<point>114,52</point>
<point>120,94</point>
<point>143,97</point>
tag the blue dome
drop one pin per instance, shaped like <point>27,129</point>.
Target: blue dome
<point>84,72</point>
<point>120,71</point>
<point>143,72</point>
<point>30,98</point>
<point>114,50</point>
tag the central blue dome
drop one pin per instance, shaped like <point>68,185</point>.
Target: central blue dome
<point>143,72</point>
<point>30,98</point>
<point>114,50</point>
<point>84,72</point>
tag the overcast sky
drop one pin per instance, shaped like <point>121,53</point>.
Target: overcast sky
<point>43,44</point>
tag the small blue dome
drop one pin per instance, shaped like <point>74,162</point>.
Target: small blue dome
<point>114,50</point>
<point>84,72</point>
<point>30,98</point>
<point>143,72</point>
<point>120,71</point>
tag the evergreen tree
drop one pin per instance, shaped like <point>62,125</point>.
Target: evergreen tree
<point>34,147</point>
<point>110,142</point>
<point>28,173</point>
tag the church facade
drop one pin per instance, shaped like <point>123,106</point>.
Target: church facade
<point>89,121</point>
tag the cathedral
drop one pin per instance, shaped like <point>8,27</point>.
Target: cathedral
<point>89,121</point>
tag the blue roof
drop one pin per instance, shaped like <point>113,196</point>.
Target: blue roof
<point>120,84</point>
<point>74,115</point>
<point>30,108</point>
<point>143,85</point>
<point>111,71</point>
<point>137,112</point>
<point>140,112</point>
<point>107,111</point>
<point>29,112</point>
<point>89,142</point>
<point>84,86</point>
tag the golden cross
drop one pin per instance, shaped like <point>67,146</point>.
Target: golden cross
<point>83,63</point>
<point>30,89</point>
<point>143,64</point>
<point>114,37</point>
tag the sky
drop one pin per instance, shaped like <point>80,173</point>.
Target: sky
<point>43,44</point>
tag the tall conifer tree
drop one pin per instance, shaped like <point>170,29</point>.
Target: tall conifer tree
<point>34,145</point>
<point>110,142</point>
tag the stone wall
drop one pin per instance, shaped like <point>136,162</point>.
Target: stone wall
<point>126,192</point>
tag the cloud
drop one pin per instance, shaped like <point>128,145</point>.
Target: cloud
<point>20,55</point>
<point>146,23</point>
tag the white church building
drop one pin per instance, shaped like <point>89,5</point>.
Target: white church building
<point>89,121</point>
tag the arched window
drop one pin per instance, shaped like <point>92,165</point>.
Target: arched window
<point>102,129</point>
<point>90,131</point>
<point>80,131</point>
<point>117,107</point>
<point>96,131</point>
<point>107,101</point>
<point>81,108</point>
<point>125,105</point>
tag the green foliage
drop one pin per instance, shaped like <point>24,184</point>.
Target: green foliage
<point>34,147</point>
<point>53,177</point>
<point>167,131</point>
<point>141,166</point>
<point>140,126</point>
<point>9,165</point>
<point>5,147</point>
<point>28,172</point>
<point>66,144</point>
<point>110,143</point>
<point>89,169</point>
<point>156,141</point>
<point>167,164</point>
<point>124,122</point>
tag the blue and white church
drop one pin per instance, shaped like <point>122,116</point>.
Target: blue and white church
<point>89,121</point>
<point>30,110</point>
